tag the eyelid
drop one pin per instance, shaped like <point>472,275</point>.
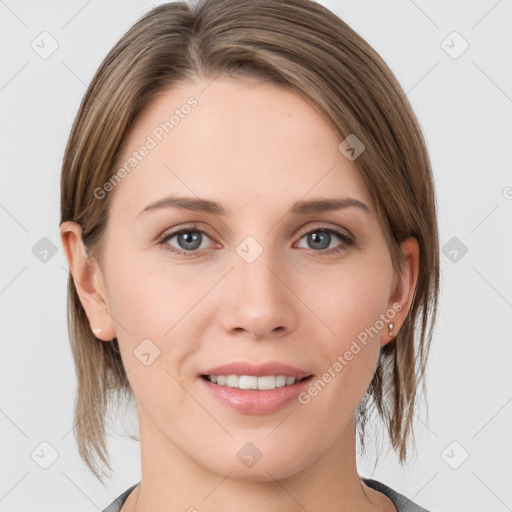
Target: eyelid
<point>181,228</point>
<point>348,241</point>
<point>322,226</point>
<point>344,235</point>
<point>301,232</point>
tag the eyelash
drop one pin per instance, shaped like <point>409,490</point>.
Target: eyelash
<point>348,241</point>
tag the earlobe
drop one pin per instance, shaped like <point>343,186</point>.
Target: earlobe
<point>88,281</point>
<point>404,288</point>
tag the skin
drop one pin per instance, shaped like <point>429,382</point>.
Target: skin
<point>255,148</point>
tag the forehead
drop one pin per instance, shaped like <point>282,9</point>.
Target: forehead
<point>246,143</point>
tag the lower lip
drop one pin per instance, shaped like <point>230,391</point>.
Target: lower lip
<point>253,401</point>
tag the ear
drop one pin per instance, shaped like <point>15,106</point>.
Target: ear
<point>88,280</point>
<point>404,287</point>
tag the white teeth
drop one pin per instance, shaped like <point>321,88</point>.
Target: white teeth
<point>267,382</point>
<point>280,381</point>
<point>252,382</point>
<point>247,382</point>
<point>232,381</point>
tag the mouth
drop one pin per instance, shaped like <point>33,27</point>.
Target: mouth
<point>255,395</point>
<point>253,389</point>
<point>254,382</point>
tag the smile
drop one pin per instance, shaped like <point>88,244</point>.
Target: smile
<point>262,383</point>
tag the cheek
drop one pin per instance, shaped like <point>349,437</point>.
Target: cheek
<point>352,305</point>
<point>156,323</point>
<point>350,300</point>
<point>150,298</point>
<point>349,356</point>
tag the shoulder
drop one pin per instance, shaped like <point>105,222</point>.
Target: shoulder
<point>402,503</point>
<point>116,505</point>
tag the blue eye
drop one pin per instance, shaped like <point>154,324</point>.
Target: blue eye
<point>190,240</point>
<point>323,241</point>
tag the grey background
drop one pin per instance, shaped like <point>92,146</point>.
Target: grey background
<point>464,105</point>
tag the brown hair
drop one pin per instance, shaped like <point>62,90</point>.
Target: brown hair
<point>298,44</point>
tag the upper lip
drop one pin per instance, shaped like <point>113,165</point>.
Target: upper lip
<point>258,370</point>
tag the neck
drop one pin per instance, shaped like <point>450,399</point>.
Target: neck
<point>172,479</point>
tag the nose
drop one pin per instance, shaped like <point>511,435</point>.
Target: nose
<point>258,299</point>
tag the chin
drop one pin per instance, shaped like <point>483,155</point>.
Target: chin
<point>261,460</point>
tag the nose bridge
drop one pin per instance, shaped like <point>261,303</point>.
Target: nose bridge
<point>259,302</point>
<point>256,268</point>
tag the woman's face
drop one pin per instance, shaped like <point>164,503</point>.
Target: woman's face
<point>244,282</point>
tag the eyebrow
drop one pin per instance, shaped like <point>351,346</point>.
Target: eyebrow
<point>297,208</point>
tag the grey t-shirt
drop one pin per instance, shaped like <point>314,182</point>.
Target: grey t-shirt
<point>401,503</point>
